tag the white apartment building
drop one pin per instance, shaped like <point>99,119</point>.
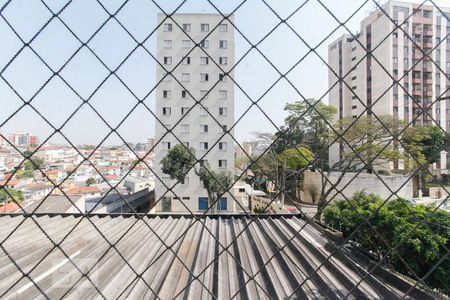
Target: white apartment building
<point>198,49</point>
<point>396,53</point>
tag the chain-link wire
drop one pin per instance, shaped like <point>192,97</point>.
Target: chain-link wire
<point>254,161</point>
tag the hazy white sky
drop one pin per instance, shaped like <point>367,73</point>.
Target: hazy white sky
<point>55,44</point>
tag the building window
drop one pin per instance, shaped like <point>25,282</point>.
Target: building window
<point>222,111</point>
<point>166,111</point>
<point>186,198</point>
<point>185,77</point>
<point>203,145</point>
<point>223,128</point>
<point>166,94</point>
<point>187,27</point>
<point>353,58</point>
<point>223,44</point>
<point>223,27</point>
<point>186,61</point>
<point>204,77</point>
<point>204,128</point>
<point>184,94</point>
<point>406,109</point>
<point>223,77</point>
<point>184,110</point>
<point>203,94</point>
<point>204,44</point>
<point>167,27</point>
<point>395,60</point>
<point>184,181</point>
<point>223,60</point>
<point>166,145</point>
<point>204,60</point>
<point>222,163</point>
<point>186,44</point>
<point>204,27</point>
<point>167,60</point>
<point>184,128</point>
<point>167,44</point>
<point>222,94</point>
<point>222,146</point>
<point>203,111</point>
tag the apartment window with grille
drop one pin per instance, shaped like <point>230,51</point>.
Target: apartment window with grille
<point>184,94</point>
<point>184,110</point>
<point>167,60</point>
<point>427,14</point>
<point>166,94</point>
<point>187,27</point>
<point>204,128</point>
<point>167,27</point>
<point>203,145</point>
<point>223,60</point>
<point>204,60</point>
<point>167,44</point>
<point>204,44</point>
<point>186,61</point>
<point>203,94</point>
<point>185,77</point>
<point>186,44</point>
<point>204,77</point>
<point>223,27</point>
<point>222,77</point>
<point>222,111</point>
<point>166,111</point>
<point>223,146</point>
<point>222,163</point>
<point>184,128</point>
<point>223,44</point>
<point>166,145</point>
<point>204,27</point>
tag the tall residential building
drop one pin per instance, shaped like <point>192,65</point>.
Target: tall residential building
<point>394,52</point>
<point>199,48</point>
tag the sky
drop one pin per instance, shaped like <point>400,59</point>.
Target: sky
<point>56,102</point>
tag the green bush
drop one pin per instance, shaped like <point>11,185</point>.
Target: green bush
<point>418,233</point>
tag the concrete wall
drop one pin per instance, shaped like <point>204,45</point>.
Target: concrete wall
<point>369,183</point>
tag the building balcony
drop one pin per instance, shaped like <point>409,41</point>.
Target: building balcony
<point>428,93</point>
<point>417,92</point>
<point>428,81</point>
<point>417,80</point>
<point>428,45</point>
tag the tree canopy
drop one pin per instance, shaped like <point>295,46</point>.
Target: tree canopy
<point>418,233</point>
<point>5,198</point>
<point>178,161</point>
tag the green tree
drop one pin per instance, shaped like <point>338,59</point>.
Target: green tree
<point>179,160</point>
<point>307,124</point>
<point>295,159</point>
<point>34,164</point>
<point>16,195</point>
<point>215,183</point>
<point>90,181</point>
<point>419,234</point>
<point>424,144</point>
<point>21,174</point>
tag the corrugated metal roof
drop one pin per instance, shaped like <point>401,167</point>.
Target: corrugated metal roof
<point>267,260</point>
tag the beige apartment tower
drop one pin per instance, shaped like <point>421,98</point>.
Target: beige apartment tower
<point>196,53</point>
<point>366,79</point>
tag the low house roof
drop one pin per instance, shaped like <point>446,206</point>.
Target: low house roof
<point>209,257</point>
<point>83,190</point>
